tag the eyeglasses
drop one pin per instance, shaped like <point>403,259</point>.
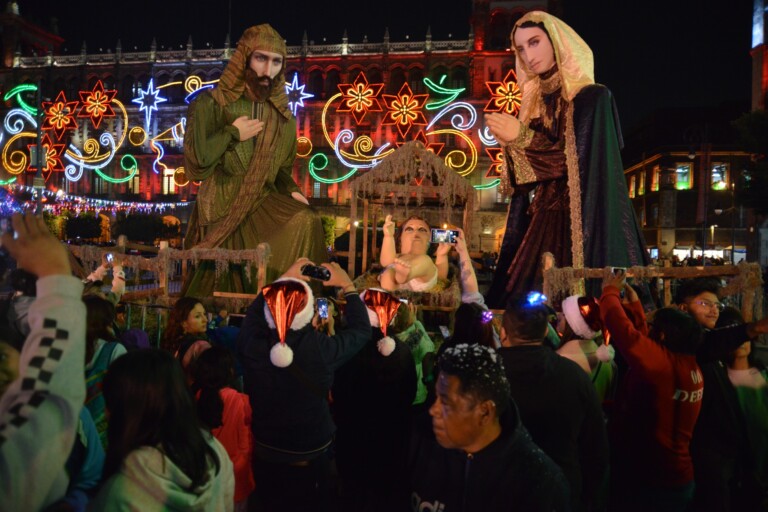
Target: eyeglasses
<point>709,304</point>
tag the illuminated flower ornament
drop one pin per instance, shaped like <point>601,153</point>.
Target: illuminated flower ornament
<point>60,115</point>
<point>506,96</point>
<point>148,101</point>
<point>51,157</point>
<point>435,147</point>
<point>97,104</point>
<point>360,97</point>
<point>497,162</point>
<point>405,110</point>
<point>296,94</point>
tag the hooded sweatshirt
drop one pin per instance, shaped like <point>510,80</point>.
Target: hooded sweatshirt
<point>149,481</point>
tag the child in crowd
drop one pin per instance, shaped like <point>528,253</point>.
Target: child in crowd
<point>227,413</point>
<point>101,350</point>
<point>158,457</point>
<point>185,334</point>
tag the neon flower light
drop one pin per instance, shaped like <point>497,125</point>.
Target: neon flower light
<point>51,156</point>
<point>60,115</point>
<point>360,97</point>
<point>435,147</point>
<point>148,101</point>
<point>497,162</point>
<point>405,109</point>
<point>505,95</point>
<point>97,104</point>
<point>296,94</point>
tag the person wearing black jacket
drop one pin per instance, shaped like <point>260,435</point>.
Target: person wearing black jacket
<point>557,402</point>
<point>292,425</point>
<point>477,455</point>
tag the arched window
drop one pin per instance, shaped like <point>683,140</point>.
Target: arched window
<point>416,80</point>
<point>332,78</point>
<point>315,83</point>
<point>396,80</point>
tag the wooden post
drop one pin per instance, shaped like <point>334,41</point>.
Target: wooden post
<point>352,253</point>
<point>374,224</point>
<point>365,237</point>
<point>164,270</point>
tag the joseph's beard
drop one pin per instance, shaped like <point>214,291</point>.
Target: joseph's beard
<point>259,87</point>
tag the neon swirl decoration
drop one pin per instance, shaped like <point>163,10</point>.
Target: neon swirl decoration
<point>17,91</point>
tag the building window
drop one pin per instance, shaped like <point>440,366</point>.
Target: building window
<point>719,176</point>
<point>641,184</point>
<point>632,186</point>
<point>655,174</point>
<point>169,186</point>
<point>642,217</point>
<point>501,197</point>
<point>99,186</point>
<point>319,189</point>
<point>133,184</point>
<point>684,175</point>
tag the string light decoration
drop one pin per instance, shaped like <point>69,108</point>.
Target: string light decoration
<point>97,104</point>
<point>506,96</point>
<point>353,147</point>
<point>405,110</point>
<point>296,94</point>
<point>25,198</point>
<point>59,115</point>
<point>360,97</point>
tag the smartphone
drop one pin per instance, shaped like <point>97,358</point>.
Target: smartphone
<point>445,332</point>
<point>617,271</point>
<point>322,307</point>
<point>444,236</point>
<point>110,257</point>
<point>316,272</point>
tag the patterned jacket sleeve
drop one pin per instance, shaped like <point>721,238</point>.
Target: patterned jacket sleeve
<point>39,411</point>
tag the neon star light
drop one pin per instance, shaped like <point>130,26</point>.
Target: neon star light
<point>60,115</point>
<point>405,110</point>
<point>52,155</point>
<point>506,96</point>
<point>296,94</point>
<point>148,101</point>
<point>360,97</point>
<point>97,104</point>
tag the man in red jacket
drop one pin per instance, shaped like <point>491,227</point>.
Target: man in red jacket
<point>657,405</point>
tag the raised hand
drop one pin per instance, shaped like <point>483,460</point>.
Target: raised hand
<point>247,127</point>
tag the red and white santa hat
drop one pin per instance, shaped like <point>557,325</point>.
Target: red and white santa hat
<point>382,309</point>
<point>583,315</point>
<point>288,305</point>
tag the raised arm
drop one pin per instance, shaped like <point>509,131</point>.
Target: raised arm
<point>388,250</point>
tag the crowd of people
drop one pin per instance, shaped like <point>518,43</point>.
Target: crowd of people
<point>366,411</point>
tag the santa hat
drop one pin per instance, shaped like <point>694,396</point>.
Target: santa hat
<point>288,305</point>
<point>583,315</point>
<point>382,309</point>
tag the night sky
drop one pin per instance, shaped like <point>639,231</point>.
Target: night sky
<point>652,54</point>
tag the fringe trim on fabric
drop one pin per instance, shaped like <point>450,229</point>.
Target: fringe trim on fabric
<point>574,190</point>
